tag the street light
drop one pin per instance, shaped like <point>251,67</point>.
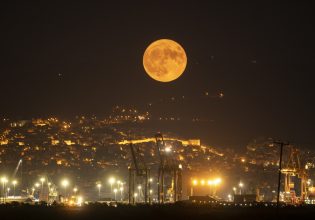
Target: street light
<point>234,190</point>
<point>118,183</point>
<point>121,193</point>
<point>139,189</point>
<point>195,182</point>
<point>36,185</point>
<point>4,181</point>
<point>241,186</point>
<point>42,180</point>
<point>75,190</point>
<point>14,182</point>
<point>99,190</point>
<point>135,195</point>
<point>229,197</point>
<point>111,181</point>
<point>8,191</point>
<point>168,149</point>
<point>115,192</point>
<point>65,184</point>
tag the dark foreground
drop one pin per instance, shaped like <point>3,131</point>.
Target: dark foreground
<point>175,212</point>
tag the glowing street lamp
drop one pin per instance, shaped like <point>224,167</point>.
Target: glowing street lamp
<point>4,181</point>
<point>75,190</point>
<point>195,182</point>
<point>111,181</point>
<point>168,149</point>
<point>118,183</point>
<point>135,196</point>
<point>121,193</point>
<point>241,185</point>
<point>229,198</point>
<point>234,190</point>
<point>36,185</point>
<point>8,191</point>
<point>139,190</point>
<point>65,184</point>
<point>14,182</point>
<point>202,182</point>
<point>99,186</point>
<point>42,180</point>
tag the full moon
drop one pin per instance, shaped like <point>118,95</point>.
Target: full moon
<point>164,60</point>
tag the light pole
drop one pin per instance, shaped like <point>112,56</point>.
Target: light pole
<point>14,182</point>
<point>8,191</point>
<point>241,186</point>
<point>99,186</point>
<point>42,180</point>
<point>118,184</point>
<point>121,193</point>
<point>4,180</point>
<point>139,191</point>
<point>65,184</point>
<point>115,192</point>
<point>111,181</point>
<point>229,198</point>
<point>75,190</point>
<point>194,183</point>
<point>135,195</point>
<point>234,190</point>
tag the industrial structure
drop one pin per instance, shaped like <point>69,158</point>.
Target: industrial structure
<point>293,168</point>
<point>169,170</point>
<point>139,173</point>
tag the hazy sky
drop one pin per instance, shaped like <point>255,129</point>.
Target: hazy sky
<point>74,58</point>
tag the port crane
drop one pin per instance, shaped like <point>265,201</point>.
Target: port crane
<point>138,173</point>
<point>292,168</point>
<point>168,166</point>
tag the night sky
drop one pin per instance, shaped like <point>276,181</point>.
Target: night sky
<point>77,57</point>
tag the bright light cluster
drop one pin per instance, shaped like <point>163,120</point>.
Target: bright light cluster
<point>209,182</point>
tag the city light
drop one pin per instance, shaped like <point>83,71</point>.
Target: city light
<point>217,181</point>
<point>99,186</point>
<point>168,149</point>
<point>14,182</point>
<point>115,193</point>
<point>195,182</point>
<point>4,180</point>
<point>202,182</point>
<point>80,201</point>
<point>241,185</point>
<point>229,197</point>
<point>209,182</point>
<point>234,190</point>
<point>65,183</point>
